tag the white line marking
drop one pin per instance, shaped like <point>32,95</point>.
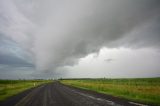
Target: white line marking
<point>99,99</point>
<point>138,104</point>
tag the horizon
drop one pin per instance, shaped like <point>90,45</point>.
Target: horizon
<point>84,78</point>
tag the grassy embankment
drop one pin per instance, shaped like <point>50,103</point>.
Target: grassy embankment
<point>12,87</point>
<point>145,90</point>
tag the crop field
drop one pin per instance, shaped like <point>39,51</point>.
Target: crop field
<point>144,90</point>
<point>12,87</point>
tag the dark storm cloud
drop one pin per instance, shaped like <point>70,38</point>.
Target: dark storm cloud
<point>10,53</point>
<point>13,61</point>
<point>15,72</point>
<point>58,33</point>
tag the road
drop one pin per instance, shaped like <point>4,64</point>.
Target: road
<point>57,94</point>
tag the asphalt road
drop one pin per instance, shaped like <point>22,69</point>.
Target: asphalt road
<point>57,94</point>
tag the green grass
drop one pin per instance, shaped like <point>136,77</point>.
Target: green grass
<point>144,90</point>
<point>12,87</point>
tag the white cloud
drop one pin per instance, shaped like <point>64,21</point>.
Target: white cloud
<point>127,63</point>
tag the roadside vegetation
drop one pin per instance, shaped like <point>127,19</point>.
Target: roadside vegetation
<point>144,90</point>
<point>12,87</point>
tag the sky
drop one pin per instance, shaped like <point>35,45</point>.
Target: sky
<point>79,39</point>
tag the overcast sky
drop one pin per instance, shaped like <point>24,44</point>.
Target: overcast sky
<point>79,38</point>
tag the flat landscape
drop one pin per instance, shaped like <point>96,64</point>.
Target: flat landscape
<point>145,90</point>
<point>12,87</point>
<point>56,94</point>
<point>89,92</point>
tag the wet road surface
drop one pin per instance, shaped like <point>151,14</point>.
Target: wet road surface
<point>57,94</point>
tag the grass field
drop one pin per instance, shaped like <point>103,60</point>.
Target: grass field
<point>12,87</point>
<point>145,90</point>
